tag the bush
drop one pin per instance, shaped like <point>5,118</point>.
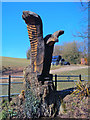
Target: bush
<point>32,105</point>
<point>7,110</point>
<point>82,89</point>
<point>28,54</point>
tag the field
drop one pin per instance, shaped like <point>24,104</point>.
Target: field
<point>17,63</point>
<point>14,62</point>
<point>74,106</point>
<point>13,66</point>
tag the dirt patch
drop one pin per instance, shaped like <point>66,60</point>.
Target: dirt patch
<point>18,71</point>
<point>67,68</point>
<point>13,71</point>
<point>75,107</point>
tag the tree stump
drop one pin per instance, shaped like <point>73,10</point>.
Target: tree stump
<point>41,100</point>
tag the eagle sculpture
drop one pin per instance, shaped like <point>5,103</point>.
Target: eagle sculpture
<point>41,48</point>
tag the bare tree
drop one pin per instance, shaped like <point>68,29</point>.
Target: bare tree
<point>57,50</point>
<point>83,34</point>
<point>28,53</point>
<point>71,52</point>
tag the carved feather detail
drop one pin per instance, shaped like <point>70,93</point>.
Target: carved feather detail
<point>32,33</point>
<point>41,48</point>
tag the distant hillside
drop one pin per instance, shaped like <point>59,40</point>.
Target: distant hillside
<point>14,62</point>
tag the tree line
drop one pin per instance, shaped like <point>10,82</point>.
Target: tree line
<point>71,52</point>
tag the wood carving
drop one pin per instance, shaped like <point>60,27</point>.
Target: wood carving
<point>41,48</point>
<point>39,82</point>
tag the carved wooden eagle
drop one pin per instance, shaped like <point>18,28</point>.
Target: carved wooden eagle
<point>41,48</point>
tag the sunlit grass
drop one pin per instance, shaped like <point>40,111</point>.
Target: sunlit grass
<point>14,62</point>
<point>66,85</point>
<point>53,67</point>
<point>0,115</point>
<point>16,88</point>
<point>17,62</point>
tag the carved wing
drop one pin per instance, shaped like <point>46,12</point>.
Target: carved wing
<point>49,42</point>
<point>35,33</point>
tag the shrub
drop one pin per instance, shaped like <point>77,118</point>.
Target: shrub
<point>7,111</point>
<point>82,89</point>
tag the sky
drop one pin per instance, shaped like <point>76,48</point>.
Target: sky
<point>55,16</point>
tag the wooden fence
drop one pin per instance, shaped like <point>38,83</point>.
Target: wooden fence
<point>68,79</point>
<point>56,80</point>
<point>9,86</point>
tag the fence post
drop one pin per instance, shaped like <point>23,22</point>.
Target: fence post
<point>80,77</point>
<point>9,99</point>
<point>55,82</point>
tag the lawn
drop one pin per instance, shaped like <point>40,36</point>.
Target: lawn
<point>83,71</point>
<point>15,88</point>
<point>66,85</point>
<point>14,62</point>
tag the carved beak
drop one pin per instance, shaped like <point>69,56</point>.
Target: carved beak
<point>25,14</point>
<point>54,38</point>
<point>28,13</point>
<point>58,33</point>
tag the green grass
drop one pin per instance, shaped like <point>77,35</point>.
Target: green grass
<point>14,62</point>
<point>53,67</point>
<point>83,71</point>
<point>0,115</point>
<point>16,88</point>
<point>66,85</point>
<point>18,62</point>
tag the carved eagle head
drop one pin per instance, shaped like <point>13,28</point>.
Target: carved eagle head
<point>51,39</point>
<point>41,47</point>
<point>31,17</point>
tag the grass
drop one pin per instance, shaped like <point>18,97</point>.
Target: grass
<point>83,71</point>
<point>0,115</point>
<point>16,88</point>
<point>14,62</point>
<point>66,85</point>
<point>53,67</point>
